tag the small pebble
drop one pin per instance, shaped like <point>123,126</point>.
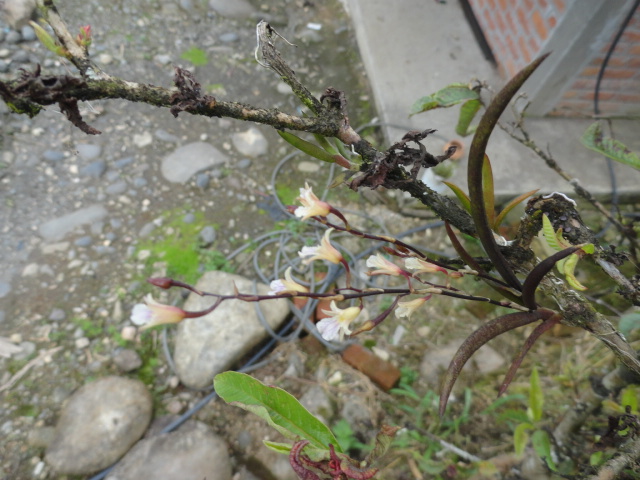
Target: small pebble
<point>83,241</point>
<point>208,235</point>
<point>189,218</point>
<point>244,163</point>
<point>53,155</point>
<point>13,37</point>
<point>4,66</point>
<point>28,35</point>
<point>229,37</point>
<point>21,56</point>
<point>202,180</point>
<point>82,342</point>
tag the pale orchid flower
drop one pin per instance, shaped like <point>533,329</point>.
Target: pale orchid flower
<point>384,266</point>
<point>336,325</point>
<point>405,309</point>
<point>324,251</point>
<point>288,285</point>
<point>312,206</point>
<point>422,266</point>
<point>152,313</point>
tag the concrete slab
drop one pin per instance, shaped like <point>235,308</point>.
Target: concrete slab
<point>412,48</point>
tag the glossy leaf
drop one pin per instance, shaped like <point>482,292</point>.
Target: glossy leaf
<point>279,408</point>
<point>542,446</point>
<point>467,113</point>
<point>277,447</point>
<point>447,97</point>
<point>462,197</point>
<point>536,397</point>
<point>510,206</point>
<point>569,268</point>
<point>594,139</point>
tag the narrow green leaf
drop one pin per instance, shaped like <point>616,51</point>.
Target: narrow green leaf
<point>462,197</point>
<point>554,239</point>
<point>589,248</point>
<point>510,206</point>
<point>536,397</point>
<point>521,437</point>
<point>196,56</point>
<point>48,41</point>
<point>542,446</point>
<point>283,448</point>
<point>447,97</point>
<point>487,190</point>
<point>629,397</point>
<point>312,149</point>
<point>325,144</point>
<point>594,139</point>
<point>279,408</point>
<point>467,113</point>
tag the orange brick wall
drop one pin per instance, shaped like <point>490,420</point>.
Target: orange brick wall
<point>620,85</point>
<point>517,31</point>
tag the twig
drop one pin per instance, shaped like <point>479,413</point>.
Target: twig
<point>24,370</point>
<point>625,455</point>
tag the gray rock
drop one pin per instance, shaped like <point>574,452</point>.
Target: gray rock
<point>318,403</point>
<point>53,156</point>
<point>229,37</point>
<point>57,315</point>
<point>166,136</point>
<point>13,37</point>
<point>18,12</point>
<point>191,452</point>
<point>202,180</point>
<point>140,182</point>
<point>28,35</point>
<point>27,349</point>
<point>116,188</point>
<point>5,288</point>
<point>98,424</point>
<point>21,56</point>
<point>58,227</point>
<point>190,159</point>
<point>4,66</point>
<point>436,360</point>
<point>235,9</point>
<point>208,345</point>
<point>88,151</point>
<point>307,166</point>
<point>123,162</point>
<point>127,360</point>
<point>244,163</point>
<point>208,235</point>
<point>94,169</point>
<point>251,142</point>
<point>189,218</point>
<point>84,241</point>
<point>2,316</point>
<point>162,59</point>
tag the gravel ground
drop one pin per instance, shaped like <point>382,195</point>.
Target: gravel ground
<point>77,208</point>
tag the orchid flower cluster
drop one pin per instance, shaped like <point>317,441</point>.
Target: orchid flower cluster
<point>411,265</point>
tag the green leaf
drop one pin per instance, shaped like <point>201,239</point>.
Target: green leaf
<point>629,397</point>
<point>521,437</point>
<point>325,144</point>
<point>487,190</point>
<point>447,97</point>
<point>628,323</point>
<point>510,206</point>
<point>48,41</point>
<point>313,150</point>
<point>283,448</point>
<point>542,446</point>
<point>536,397</point>
<point>569,268</point>
<point>279,408</point>
<point>467,112</point>
<point>594,139</point>
<point>462,197</point>
<point>554,239</point>
<point>196,56</point>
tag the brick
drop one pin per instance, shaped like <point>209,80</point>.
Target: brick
<point>627,98</point>
<point>381,372</point>
<point>513,51</point>
<point>528,4</point>
<point>542,4</point>
<point>570,94</point>
<point>489,24</point>
<point>602,95</point>
<point>552,21</point>
<point>590,71</point>
<point>491,4</point>
<point>631,37</point>
<point>538,24</point>
<point>500,21</point>
<point>534,46</point>
<point>523,20</point>
<point>635,50</point>
<point>560,5</point>
<point>619,73</point>
<point>524,50</point>
<point>503,4</point>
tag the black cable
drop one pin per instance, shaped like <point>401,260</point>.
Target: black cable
<point>596,109</point>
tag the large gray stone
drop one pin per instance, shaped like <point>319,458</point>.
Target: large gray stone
<point>98,425</point>
<point>251,142</point>
<point>58,227</point>
<point>192,452</point>
<point>211,344</point>
<point>188,160</point>
<point>235,9</point>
